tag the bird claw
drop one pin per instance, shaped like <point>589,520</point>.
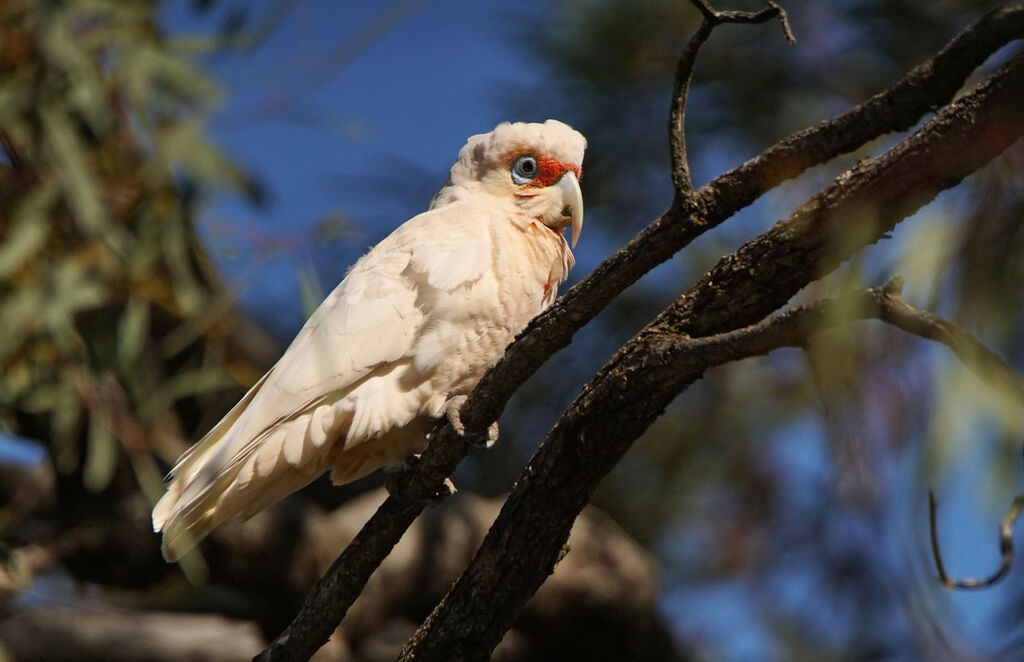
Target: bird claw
<point>452,411</point>
<point>397,483</point>
<point>447,489</point>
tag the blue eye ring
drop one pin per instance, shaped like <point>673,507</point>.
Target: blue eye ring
<point>525,169</point>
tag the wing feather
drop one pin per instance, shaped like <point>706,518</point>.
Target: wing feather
<point>348,374</point>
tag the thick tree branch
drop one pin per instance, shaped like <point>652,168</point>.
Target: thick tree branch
<point>642,378</point>
<point>929,85</point>
<point>858,208</point>
<point>681,180</point>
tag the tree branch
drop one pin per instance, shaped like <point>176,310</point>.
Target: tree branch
<point>642,378</point>
<point>926,87</point>
<point>931,84</point>
<point>1005,546</point>
<point>857,209</point>
<point>983,363</point>
<point>681,180</point>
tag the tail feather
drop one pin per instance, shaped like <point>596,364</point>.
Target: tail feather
<point>186,468</point>
<point>248,460</point>
<point>210,486</point>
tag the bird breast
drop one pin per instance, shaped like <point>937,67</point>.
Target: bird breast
<point>470,326</point>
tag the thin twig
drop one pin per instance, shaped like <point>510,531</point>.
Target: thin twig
<point>985,364</point>
<point>934,529</point>
<point>773,10</point>
<point>1005,546</point>
<point>982,361</point>
<point>681,178</point>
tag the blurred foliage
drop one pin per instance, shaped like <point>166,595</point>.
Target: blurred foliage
<point>111,314</point>
<point>777,482</point>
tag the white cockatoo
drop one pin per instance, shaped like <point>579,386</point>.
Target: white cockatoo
<point>409,331</point>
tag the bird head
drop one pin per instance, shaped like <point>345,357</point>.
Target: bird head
<point>537,166</point>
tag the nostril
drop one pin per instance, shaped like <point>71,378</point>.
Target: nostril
<point>567,211</point>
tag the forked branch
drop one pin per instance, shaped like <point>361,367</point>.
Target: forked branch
<point>681,178</point>
<point>472,618</point>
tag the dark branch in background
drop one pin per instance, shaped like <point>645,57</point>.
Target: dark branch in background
<point>634,388</point>
<point>1005,546</point>
<point>929,85</point>
<point>990,368</point>
<point>985,365</point>
<point>681,179</point>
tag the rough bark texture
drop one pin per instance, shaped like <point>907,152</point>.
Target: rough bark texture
<point>600,605</point>
<point>631,390</point>
<point>929,85</point>
<point>640,381</point>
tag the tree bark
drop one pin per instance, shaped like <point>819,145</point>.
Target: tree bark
<point>629,392</point>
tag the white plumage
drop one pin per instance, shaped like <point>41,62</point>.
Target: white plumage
<point>416,321</point>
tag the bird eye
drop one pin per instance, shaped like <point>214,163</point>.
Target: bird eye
<point>524,169</point>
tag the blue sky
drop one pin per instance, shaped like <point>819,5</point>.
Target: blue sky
<point>343,112</point>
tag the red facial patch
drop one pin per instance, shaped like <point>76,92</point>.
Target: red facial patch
<point>550,170</point>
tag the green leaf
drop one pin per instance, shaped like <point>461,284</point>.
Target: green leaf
<point>188,293</point>
<point>161,82</point>
<point>16,380</point>
<point>46,397</point>
<point>75,177</point>
<point>100,458</point>
<point>184,384</point>
<point>14,99</point>
<point>30,229</point>
<point>20,314</point>
<point>66,50</point>
<point>131,331</point>
<point>74,289</point>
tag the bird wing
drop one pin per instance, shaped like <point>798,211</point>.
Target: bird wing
<point>337,380</point>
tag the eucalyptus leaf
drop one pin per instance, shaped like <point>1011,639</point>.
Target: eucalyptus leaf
<point>100,458</point>
<point>74,289</point>
<point>29,231</point>
<point>132,331</point>
<point>184,384</point>
<point>74,173</point>
<point>46,397</point>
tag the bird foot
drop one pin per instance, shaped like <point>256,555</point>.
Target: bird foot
<point>398,482</point>
<point>452,411</point>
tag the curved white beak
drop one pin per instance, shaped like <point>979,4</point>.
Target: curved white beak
<point>572,199</point>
